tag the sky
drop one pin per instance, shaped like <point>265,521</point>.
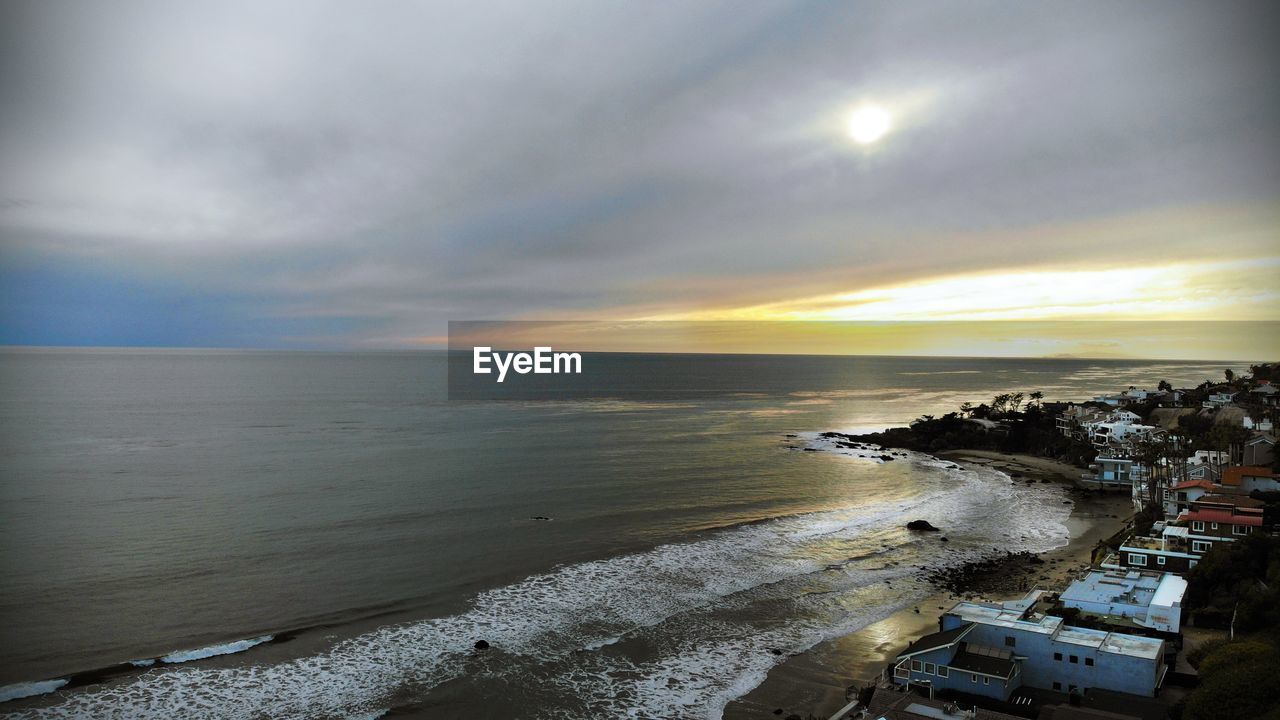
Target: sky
<point>325,175</point>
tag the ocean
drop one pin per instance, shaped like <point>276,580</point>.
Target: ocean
<point>326,535</point>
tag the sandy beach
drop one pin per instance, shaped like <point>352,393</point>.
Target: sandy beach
<point>815,682</point>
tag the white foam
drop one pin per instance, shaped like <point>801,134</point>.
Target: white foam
<point>29,689</point>
<point>673,596</point>
<point>230,648</point>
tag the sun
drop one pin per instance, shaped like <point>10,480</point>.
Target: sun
<point>868,124</point>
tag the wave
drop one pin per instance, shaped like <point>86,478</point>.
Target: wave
<point>690,604</point>
<point>29,689</point>
<point>230,648</point>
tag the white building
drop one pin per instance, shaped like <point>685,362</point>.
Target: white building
<point>1148,599</point>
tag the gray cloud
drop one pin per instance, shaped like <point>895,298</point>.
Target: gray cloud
<point>413,162</point>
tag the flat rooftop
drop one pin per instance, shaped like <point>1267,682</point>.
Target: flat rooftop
<point>998,615</point>
<point>1120,587</point>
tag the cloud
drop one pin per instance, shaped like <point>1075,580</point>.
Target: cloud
<point>395,167</point>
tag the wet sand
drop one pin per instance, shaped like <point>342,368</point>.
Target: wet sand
<point>815,682</point>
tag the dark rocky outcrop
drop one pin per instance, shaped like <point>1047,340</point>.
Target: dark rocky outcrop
<point>921,525</point>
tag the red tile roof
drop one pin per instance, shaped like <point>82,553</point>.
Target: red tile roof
<point>1187,484</point>
<point>1221,516</point>
<point>1235,475</point>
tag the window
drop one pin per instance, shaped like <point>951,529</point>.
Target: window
<point>1239,529</point>
<point>1159,559</point>
<point>1010,641</point>
<point>1213,526</point>
<point>944,671</point>
<point>1197,526</point>
<point>1057,686</point>
<point>1057,656</point>
<point>1075,659</point>
<point>973,678</point>
<point>1191,564</point>
<point>1199,546</point>
<point>1137,559</point>
<point>930,669</point>
<point>1088,661</point>
<point>915,665</point>
<point>986,681</point>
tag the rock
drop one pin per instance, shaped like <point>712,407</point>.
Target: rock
<point>944,539</point>
<point>539,517</point>
<point>482,645</point>
<point>811,449</point>
<point>886,458</point>
<point>778,711</point>
<point>922,525</point>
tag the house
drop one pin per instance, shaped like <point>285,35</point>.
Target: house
<point>1120,428</point>
<point>1266,393</point>
<point>1178,498</point>
<point>1147,599</point>
<point>1263,425</point>
<point>1112,472</point>
<point>1177,546</point>
<point>1115,400</point>
<point>1166,549</point>
<point>1207,465</point>
<point>1248,478</point>
<point>1221,397</point>
<point>1217,518</point>
<point>945,660</point>
<point>1260,450</point>
<point>1073,420</point>
<point>992,649</point>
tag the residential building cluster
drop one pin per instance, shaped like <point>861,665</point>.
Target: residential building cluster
<point>1115,631</point>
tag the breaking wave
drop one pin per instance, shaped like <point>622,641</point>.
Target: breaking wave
<point>713,614</point>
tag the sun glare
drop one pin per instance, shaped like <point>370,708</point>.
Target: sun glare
<point>868,124</point>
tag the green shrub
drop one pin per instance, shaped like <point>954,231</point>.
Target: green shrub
<point>1196,656</point>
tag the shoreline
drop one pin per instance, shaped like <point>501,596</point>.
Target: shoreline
<point>815,681</point>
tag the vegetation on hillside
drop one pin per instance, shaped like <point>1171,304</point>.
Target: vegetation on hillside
<point>1237,585</point>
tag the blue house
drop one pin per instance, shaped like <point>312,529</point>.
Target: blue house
<point>947,660</point>
<point>992,649</point>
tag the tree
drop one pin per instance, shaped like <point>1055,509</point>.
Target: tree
<point>1037,397</point>
<point>1165,386</point>
<point>999,403</point>
<point>1235,691</point>
<point>1015,401</point>
<point>966,408</point>
<point>1229,375</point>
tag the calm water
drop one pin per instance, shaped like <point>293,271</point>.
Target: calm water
<point>161,501</point>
